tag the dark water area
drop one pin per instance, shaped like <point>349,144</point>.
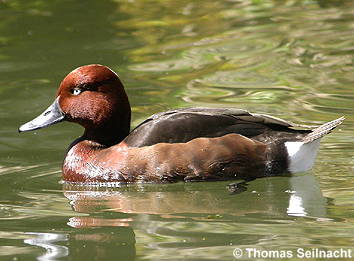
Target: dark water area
<point>291,59</point>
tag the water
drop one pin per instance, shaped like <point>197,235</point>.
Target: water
<point>291,59</point>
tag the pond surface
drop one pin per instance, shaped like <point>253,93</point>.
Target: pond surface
<point>291,59</point>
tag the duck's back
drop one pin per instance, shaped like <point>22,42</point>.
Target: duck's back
<point>183,125</point>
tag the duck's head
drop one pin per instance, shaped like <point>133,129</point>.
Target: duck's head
<point>92,96</point>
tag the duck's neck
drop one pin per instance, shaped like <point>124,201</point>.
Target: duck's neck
<point>105,137</point>
<point>110,133</point>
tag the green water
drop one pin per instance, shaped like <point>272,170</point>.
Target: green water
<point>292,59</point>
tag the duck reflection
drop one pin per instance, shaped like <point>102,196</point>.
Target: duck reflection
<point>117,216</point>
<point>185,214</point>
<point>281,197</point>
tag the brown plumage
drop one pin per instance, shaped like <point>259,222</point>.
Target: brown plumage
<point>183,144</point>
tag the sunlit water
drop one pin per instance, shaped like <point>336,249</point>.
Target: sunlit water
<point>291,59</point>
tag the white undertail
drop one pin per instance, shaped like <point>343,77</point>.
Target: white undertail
<point>302,153</point>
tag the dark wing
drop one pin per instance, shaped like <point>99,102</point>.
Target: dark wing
<point>183,125</point>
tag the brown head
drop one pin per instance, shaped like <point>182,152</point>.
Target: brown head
<point>94,97</point>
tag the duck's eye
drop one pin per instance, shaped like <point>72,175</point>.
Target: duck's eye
<point>76,91</point>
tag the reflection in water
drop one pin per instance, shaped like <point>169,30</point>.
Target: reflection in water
<point>296,207</point>
<point>295,196</point>
<point>306,198</point>
<point>188,215</point>
<point>79,222</point>
<point>46,241</point>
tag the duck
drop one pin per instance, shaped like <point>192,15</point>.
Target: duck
<point>185,144</point>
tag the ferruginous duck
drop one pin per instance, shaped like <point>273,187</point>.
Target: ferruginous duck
<point>182,144</point>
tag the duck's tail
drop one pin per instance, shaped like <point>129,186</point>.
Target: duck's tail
<point>302,153</point>
<point>322,130</point>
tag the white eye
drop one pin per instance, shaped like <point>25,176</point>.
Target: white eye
<point>76,91</point>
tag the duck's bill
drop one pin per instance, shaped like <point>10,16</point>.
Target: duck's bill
<point>53,114</point>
